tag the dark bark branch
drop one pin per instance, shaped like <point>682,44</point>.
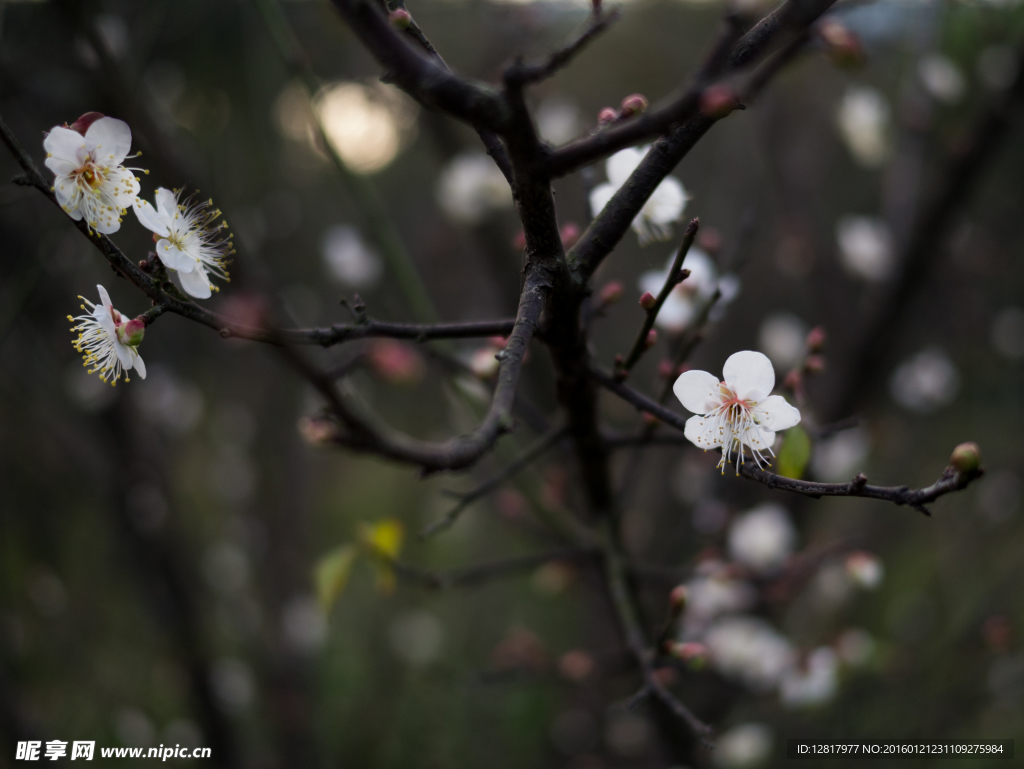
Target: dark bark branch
<point>466,499</point>
<point>597,23</point>
<point>418,332</point>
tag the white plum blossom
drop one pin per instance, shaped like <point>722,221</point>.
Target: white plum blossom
<point>925,382</point>
<point>816,683</point>
<point>762,539</point>
<point>108,342</point>
<point>865,570</point>
<point>91,183</point>
<point>738,413</point>
<point>942,78</point>
<point>866,247</point>
<point>348,259</point>
<point>743,747</point>
<point>863,120</point>
<point>189,239</point>
<point>472,186</point>
<point>685,301</point>
<point>663,208</point>
<point>750,650</point>
<point>783,338</point>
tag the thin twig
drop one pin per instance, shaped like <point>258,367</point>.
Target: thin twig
<point>597,23</point>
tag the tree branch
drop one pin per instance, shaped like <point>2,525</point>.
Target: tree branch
<point>597,23</point>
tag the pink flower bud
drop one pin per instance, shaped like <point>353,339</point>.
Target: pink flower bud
<point>400,18</point>
<point>792,380</point>
<point>576,665</point>
<point>130,334</point>
<point>483,363</point>
<point>651,340</point>
<point>717,101</point>
<point>316,431</point>
<point>82,124</point>
<point>816,339</point>
<point>648,300</point>
<point>607,115</point>
<point>396,362</point>
<point>814,364</point>
<point>966,457</point>
<point>844,46</point>
<point>519,241</point>
<point>569,234</point>
<point>677,598</point>
<point>498,342</point>
<point>610,293</point>
<point>634,104</point>
<point>666,369</point>
<point>694,654</point>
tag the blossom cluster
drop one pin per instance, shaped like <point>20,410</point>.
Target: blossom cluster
<point>93,185</point>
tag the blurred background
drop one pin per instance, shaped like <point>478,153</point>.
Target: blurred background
<point>179,566</point>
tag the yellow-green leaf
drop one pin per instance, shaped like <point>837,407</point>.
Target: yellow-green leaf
<point>795,453</point>
<point>384,539</point>
<point>332,573</point>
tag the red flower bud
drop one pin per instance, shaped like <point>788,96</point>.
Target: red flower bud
<point>607,115</point>
<point>792,380</point>
<point>400,18</point>
<point>648,300</point>
<point>82,124</point>
<point>634,104</point>
<point>717,101</point>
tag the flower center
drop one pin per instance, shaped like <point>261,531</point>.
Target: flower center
<point>91,175</point>
<point>739,429</point>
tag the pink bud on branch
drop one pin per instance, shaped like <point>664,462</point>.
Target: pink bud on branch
<point>400,18</point>
<point>634,104</point>
<point>648,300</point>
<point>718,101</point>
<point>607,115</point>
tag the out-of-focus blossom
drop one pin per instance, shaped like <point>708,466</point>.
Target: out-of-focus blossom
<point>108,343</point>
<point>190,240</point>
<point>576,665</point>
<point>925,382</point>
<point>483,362</point>
<point>866,247</point>
<point>763,538</point>
<point>348,259</point>
<point>91,183</point>
<point>750,650</point>
<point>997,67</point>
<point>738,413</point>
<point>558,120</point>
<point>396,362</point>
<point>233,683</point>
<point>416,637</point>
<point>686,300</point>
<point>663,208</point>
<point>865,569</point>
<point>999,496</point>
<point>304,624</point>
<point>471,186</point>
<point>1008,333</point>
<point>863,121</point>
<point>743,747</point>
<point>782,337</point>
<point>710,596</point>
<point>942,78</point>
<point>839,457</point>
<point>855,646</point>
<point>367,125</point>
<point>813,684</point>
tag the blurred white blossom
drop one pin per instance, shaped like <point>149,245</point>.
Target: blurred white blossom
<point>233,683</point>
<point>750,650</point>
<point>348,259</point>
<point>839,457</point>
<point>863,121</point>
<point>763,538</point>
<point>304,624</point>
<point>865,569</point>
<point>471,186</point>
<point>558,120</point>
<point>855,646</point>
<point>712,595</point>
<point>416,637</point>
<point>663,208</point>
<point>1008,333</point>
<point>866,248</point>
<point>925,382</point>
<point>743,747</point>
<point>942,78</point>
<point>816,682</point>
<point>686,300</point>
<point>783,337</point>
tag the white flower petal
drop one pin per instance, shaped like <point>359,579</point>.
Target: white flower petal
<point>67,193</point>
<point>64,144</point>
<point>104,297</point>
<point>775,413</point>
<point>667,202</point>
<point>108,222</point>
<point>109,140</point>
<point>122,187</point>
<point>61,168</point>
<point>749,374</point>
<point>172,257</point>
<point>599,197</point>
<point>698,391</point>
<point>150,219</point>
<point>698,431</point>
<point>124,354</point>
<point>761,440</point>
<point>622,164</point>
<point>166,203</point>
<point>138,364</point>
<point>196,283</point>
<point>676,313</point>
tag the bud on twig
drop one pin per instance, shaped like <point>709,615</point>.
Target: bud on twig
<point>694,654</point>
<point>816,339</point>
<point>131,333</point>
<point>966,457</point>
<point>400,18</point>
<point>648,300</point>
<point>718,101</point>
<point>610,293</point>
<point>82,124</point>
<point>316,431</point>
<point>666,369</point>
<point>651,340</point>
<point>677,598</point>
<point>814,364</point>
<point>844,46</point>
<point>683,275</point>
<point>792,380</point>
<point>634,104</point>
<point>607,115</point>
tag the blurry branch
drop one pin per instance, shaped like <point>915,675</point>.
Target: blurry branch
<point>950,481</point>
<point>384,231</point>
<point>920,257</point>
<point>361,432</point>
<point>417,332</point>
<point>785,28</point>
<point>675,276</point>
<point>468,498</point>
<point>597,23</point>
<point>475,575</point>
<point>616,576</point>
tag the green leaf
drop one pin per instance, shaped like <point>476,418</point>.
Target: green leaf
<point>795,453</point>
<point>332,573</point>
